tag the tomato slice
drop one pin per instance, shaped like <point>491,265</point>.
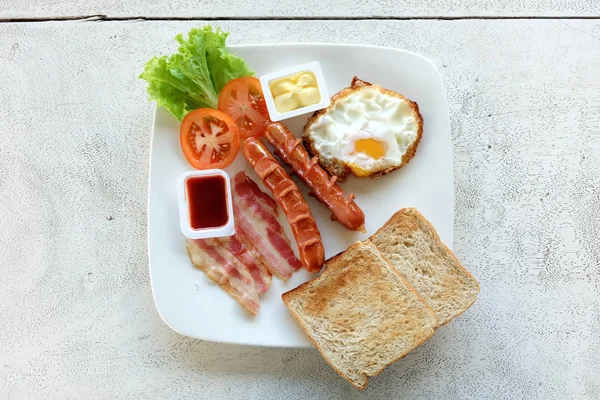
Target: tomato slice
<point>209,139</point>
<point>243,100</point>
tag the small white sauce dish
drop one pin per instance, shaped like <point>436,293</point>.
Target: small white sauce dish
<point>201,195</point>
<point>268,79</point>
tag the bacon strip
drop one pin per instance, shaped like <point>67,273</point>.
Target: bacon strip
<point>261,276</point>
<point>247,189</point>
<point>225,270</point>
<point>257,225</point>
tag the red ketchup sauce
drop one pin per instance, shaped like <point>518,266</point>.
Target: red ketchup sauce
<point>207,201</point>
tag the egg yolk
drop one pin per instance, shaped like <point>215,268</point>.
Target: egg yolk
<point>371,147</point>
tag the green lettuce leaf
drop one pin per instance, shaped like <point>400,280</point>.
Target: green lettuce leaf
<point>193,77</point>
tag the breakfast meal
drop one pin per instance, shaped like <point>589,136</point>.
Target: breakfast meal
<point>324,187</point>
<point>365,312</point>
<point>372,303</point>
<point>367,131</point>
<point>291,201</point>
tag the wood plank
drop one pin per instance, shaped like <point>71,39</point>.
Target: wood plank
<point>307,8</point>
<point>76,312</point>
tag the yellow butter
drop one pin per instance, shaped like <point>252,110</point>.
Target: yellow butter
<point>296,91</point>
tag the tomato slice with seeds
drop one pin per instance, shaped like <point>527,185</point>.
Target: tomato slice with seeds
<point>209,139</point>
<point>243,100</point>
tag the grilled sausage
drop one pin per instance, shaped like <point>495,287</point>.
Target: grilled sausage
<point>308,237</point>
<point>324,187</point>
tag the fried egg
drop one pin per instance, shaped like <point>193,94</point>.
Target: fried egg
<point>367,131</point>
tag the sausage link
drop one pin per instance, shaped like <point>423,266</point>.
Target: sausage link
<point>293,204</point>
<point>324,187</point>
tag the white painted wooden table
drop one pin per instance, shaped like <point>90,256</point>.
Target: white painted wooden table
<point>77,319</point>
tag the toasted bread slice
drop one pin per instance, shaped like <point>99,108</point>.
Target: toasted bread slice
<point>412,245</point>
<point>361,313</point>
<point>337,167</point>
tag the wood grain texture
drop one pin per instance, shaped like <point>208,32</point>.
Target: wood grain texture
<point>76,313</point>
<point>307,8</point>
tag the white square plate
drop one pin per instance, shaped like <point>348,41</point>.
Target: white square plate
<point>186,299</point>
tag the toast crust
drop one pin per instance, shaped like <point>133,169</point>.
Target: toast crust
<point>336,167</point>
